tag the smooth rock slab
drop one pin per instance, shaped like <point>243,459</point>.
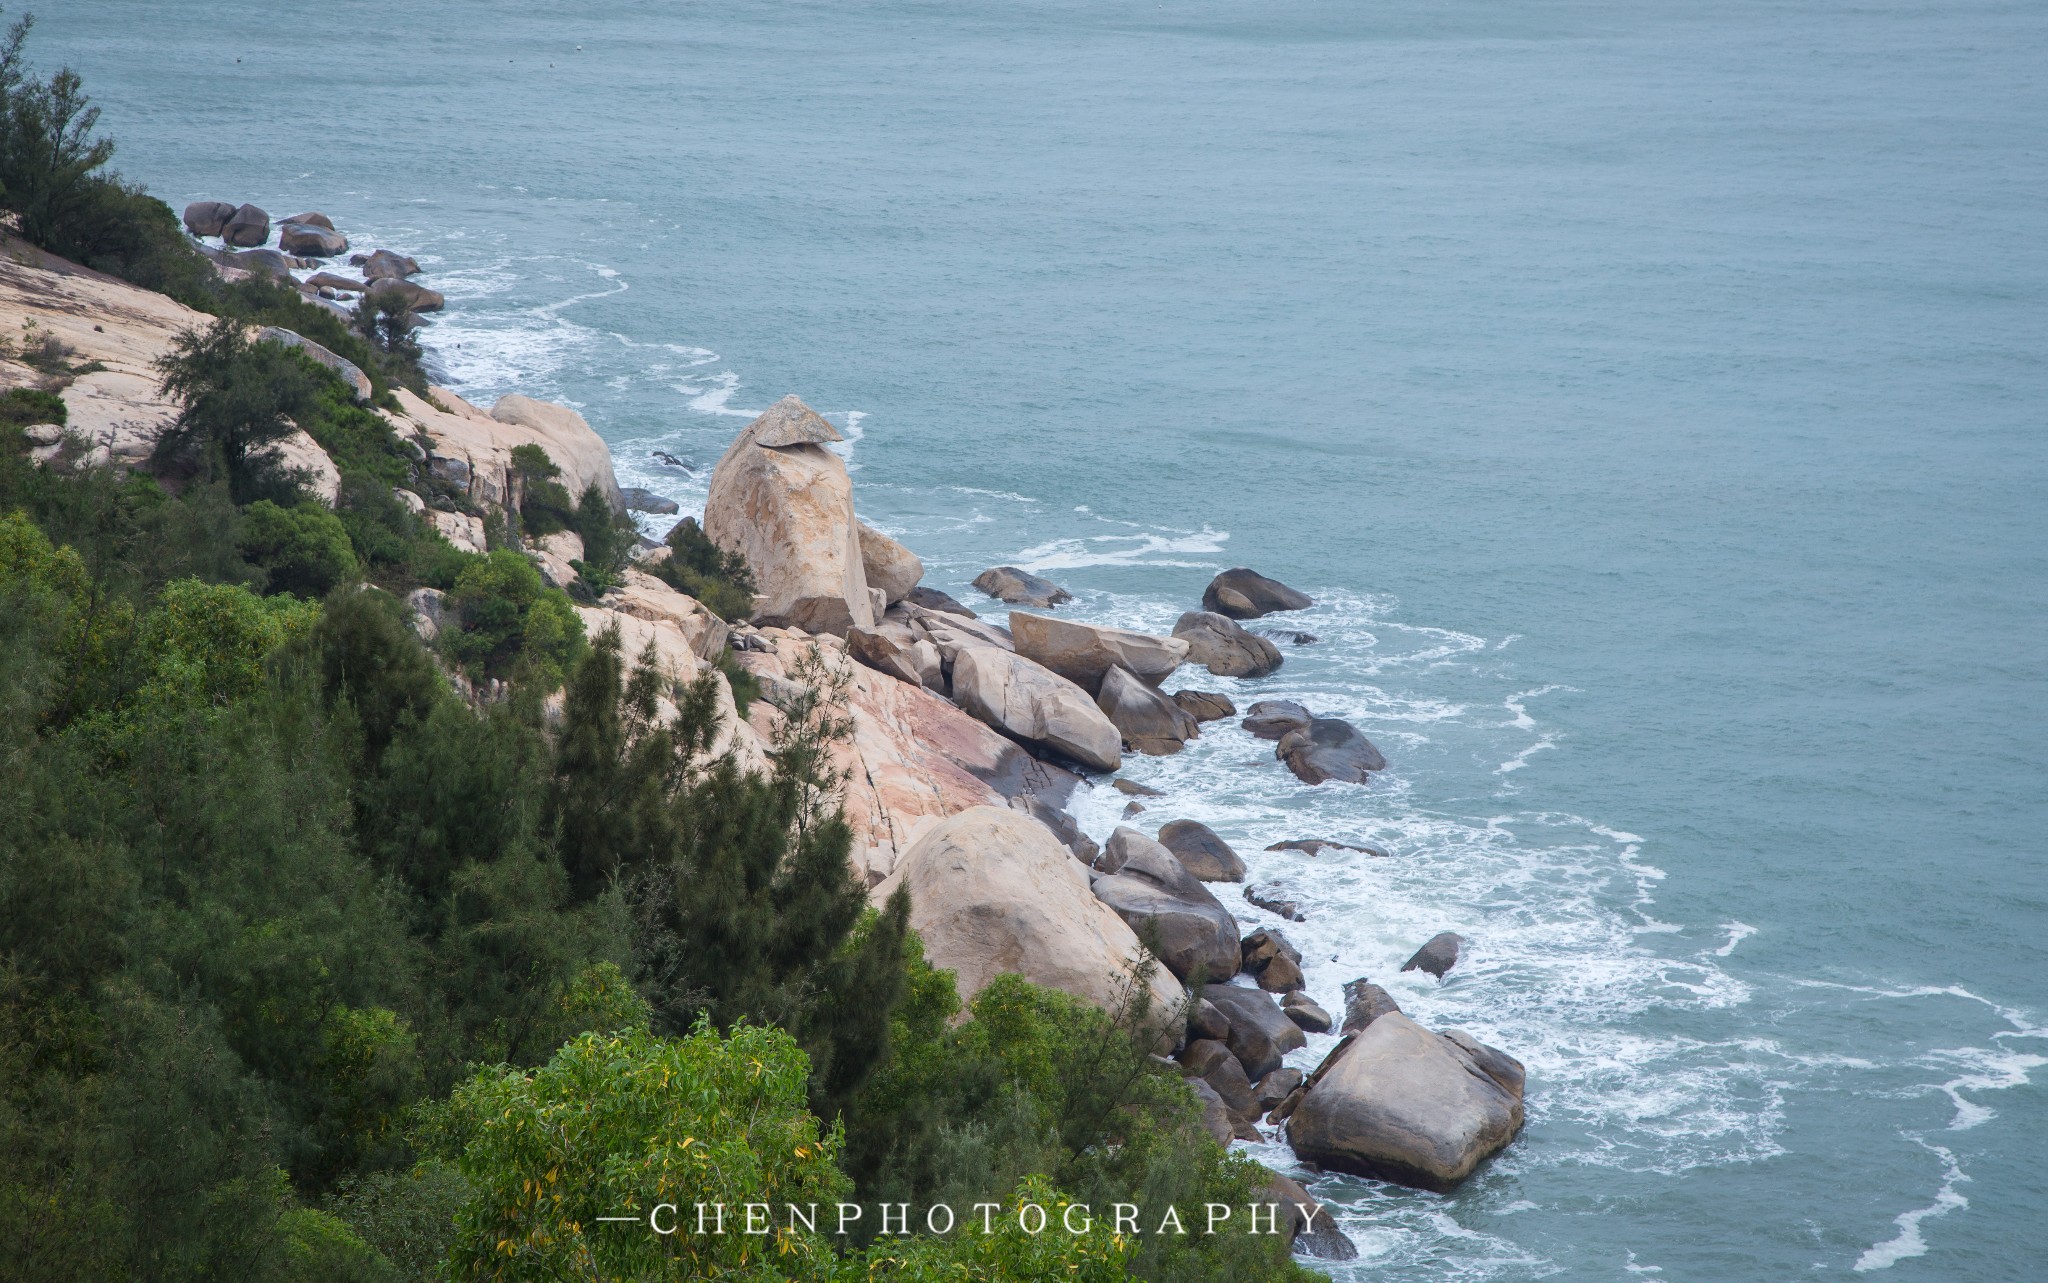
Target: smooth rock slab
<point>888,565</point>
<point>1028,702</point>
<point>1272,719</point>
<point>1224,648</point>
<point>642,500</point>
<point>1084,653</point>
<point>314,242</point>
<point>933,599</point>
<point>208,217</point>
<point>1204,854</point>
<point>1260,1033</point>
<point>1406,1105</point>
<point>1246,594</point>
<point>1365,1002</point>
<point>1205,706</point>
<point>1439,955</point>
<point>1329,749</point>
<point>1021,588</point>
<point>1148,721</point>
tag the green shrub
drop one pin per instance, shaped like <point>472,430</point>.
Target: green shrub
<point>544,504</point>
<point>303,549</point>
<point>20,407</point>
<point>608,537</point>
<point>505,615</point>
<point>702,569</point>
<point>237,400</point>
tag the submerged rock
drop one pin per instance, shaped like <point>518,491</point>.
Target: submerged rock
<point>641,500</point>
<point>1437,956</point>
<point>1329,749</point>
<point>1224,648</point>
<point>1131,788</point>
<point>1316,846</point>
<point>1247,594</point>
<point>1403,1104</point>
<point>1021,587</point>
<point>1028,702</point>
<point>1275,899</point>
<point>933,599</point>
<point>1150,890</point>
<point>1084,653</point>
<point>1204,854</point>
<point>1272,719</point>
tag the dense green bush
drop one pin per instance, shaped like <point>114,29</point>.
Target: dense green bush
<point>702,569</point>
<point>20,407</point>
<point>505,616</point>
<point>303,549</point>
<point>237,401</point>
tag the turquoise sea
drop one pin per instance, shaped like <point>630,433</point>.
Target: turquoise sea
<point>1653,395</point>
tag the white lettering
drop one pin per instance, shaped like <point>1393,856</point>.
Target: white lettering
<point>1309,1212</point>
<point>1124,1212</point>
<point>988,1211</point>
<point>1172,1218</point>
<point>810,1218</point>
<point>902,1219</point>
<point>719,1226</point>
<point>1213,1217</point>
<point>1024,1218</point>
<point>844,1219</point>
<point>1067,1218</point>
<point>654,1223</point>
<point>757,1225</point>
<point>1272,1217</point>
<point>934,1210</point>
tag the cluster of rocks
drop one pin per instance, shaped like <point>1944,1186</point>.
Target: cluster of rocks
<point>303,241</point>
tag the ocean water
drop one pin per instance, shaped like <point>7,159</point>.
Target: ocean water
<point>1652,395</point>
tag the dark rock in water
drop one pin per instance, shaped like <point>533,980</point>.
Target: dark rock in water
<point>1206,1021</point>
<point>667,460</point>
<point>1206,856</point>
<point>1365,1002</point>
<point>1275,899</point>
<point>1438,956</point>
<point>1131,788</point>
<point>1133,808</point>
<point>933,599</point>
<point>315,242</point>
<point>1247,594</point>
<point>1271,719</point>
<point>1289,635</point>
<point>313,218</point>
<point>1062,824</point>
<point>1275,1087</point>
<point>267,262</point>
<point>1316,846</point>
<point>1021,587</point>
<point>1306,1012</point>
<point>1264,945</point>
<point>207,217</point>
<point>385,263</point>
<point>1224,648</point>
<point>417,297</point>
<point>1311,1230</point>
<point>1287,1106</point>
<point>329,280</point>
<point>248,226</point>
<point>639,500</point>
<point>1281,975</point>
<point>1205,706</point>
<point>1228,1078</point>
<point>1260,1034</point>
<point>1329,750</point>
<point>1399,1103</point>
<point>1151,892</point>
<point>1148,721</point>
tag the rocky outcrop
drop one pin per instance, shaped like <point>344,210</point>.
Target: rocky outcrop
<point>1365,1002</point>
<point>898,650</point>
<point>1063,826</point>
<point>1311,1230</point>
<point>348,371</point>
<point>1329,749</point>
<point>1163,902</point>
<point>417,298</point>
<point>1305,1012</point>
<point>384,264</point>
<point>992,892</point>
<point>1439,955</point>
<point>1225,649</point>
<point>1205,706</point>
<point>1084,653</point>
<point>247,226</point>
<point>1260,1034</point>
<point>1021,587</point>
<point>933,599</point>
<point>783,502</point>
<point>466,532</point>
<point>1313,847</point>
<point>1148,721</point>
<point>1032,704</point>
<point>330,280</point>
<point>1274,963</point>
<point>1275,899</point>
<point>639,500</point>
<point>473,449</point>
<point>1272,719</point>
<point>571,443</point>
<point>888,565</point>
<point>310,240</point>
<point>300,455</point>
<point>312,218</point>
<point>1406,1105</point>
<point>208,217</point>
<point>1208,857</point>
<point>1247,594</point>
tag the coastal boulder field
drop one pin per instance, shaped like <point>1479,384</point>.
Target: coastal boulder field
<point>1084,653</point>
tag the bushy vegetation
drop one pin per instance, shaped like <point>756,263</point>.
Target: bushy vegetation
<point>702,569</point>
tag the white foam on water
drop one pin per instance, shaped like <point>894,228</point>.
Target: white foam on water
<point>1908,1242</point>
<point>1737,933</point>
<point>1153,548</point>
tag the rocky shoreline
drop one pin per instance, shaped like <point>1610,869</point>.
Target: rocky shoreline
<point>967,736</point>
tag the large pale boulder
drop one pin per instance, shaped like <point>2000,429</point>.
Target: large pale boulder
<point>888,565</point>
<point>992,892</point>
<point>1031,703</point>
<point>1403,1104</point>
<point>299,453</point>
<point>1224,648</point>
<point>1082,653</point>
<point>474,448</point>
<point>1020,587</point>
<point>783,502</point>
<point>643,596</point>
<point>1247,594</point>
<point>1152,891</point>
<point>1201,852</point>
<point>1148,721</point>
